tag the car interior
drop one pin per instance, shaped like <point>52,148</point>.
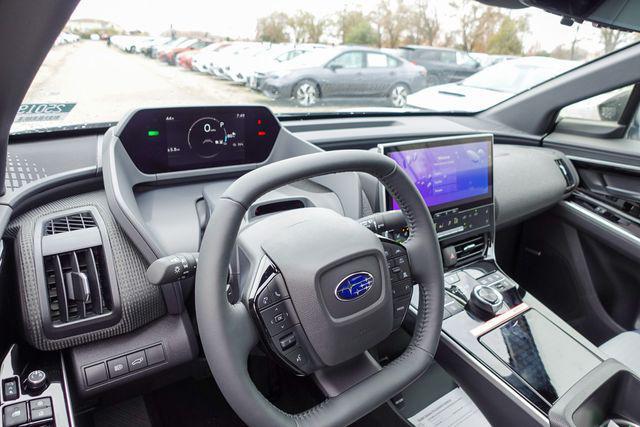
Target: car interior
<point>224,265</point>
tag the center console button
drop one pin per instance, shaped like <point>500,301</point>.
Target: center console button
<point>117,367</point>
<point>155,354</point>
<point>95,374</point>
<point>10,389</point>
<point>41,413</point>
<point>15,414</point>
<point>44,402</point>
<point>137,360</point>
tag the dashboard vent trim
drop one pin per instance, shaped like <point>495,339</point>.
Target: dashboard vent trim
<point>470,249</point>
<point>64,224</point>
<point>77,286</point>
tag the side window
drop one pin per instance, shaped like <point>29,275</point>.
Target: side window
<point>449,57</point>
<point>430,55</point>
<point>377,60</point>
<point>393,62</point>
<point>349,60</point>
<point>463,58</point>
<point>606,107</point>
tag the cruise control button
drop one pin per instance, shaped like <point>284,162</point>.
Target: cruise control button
<point>137,360</point>
<point>287,341</point>
<point>14,415</point>
<point>117,367</point>
<point>400,306</point>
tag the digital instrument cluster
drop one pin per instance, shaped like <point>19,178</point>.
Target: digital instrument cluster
<point>176,139</point>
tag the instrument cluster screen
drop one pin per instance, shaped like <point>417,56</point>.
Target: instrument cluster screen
<point>448,172</point>
<point>175,139</point>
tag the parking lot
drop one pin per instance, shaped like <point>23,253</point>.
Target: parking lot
<point>105,83</point>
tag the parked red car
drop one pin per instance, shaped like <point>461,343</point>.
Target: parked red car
<point>185,58</point>
<point>169,56</point>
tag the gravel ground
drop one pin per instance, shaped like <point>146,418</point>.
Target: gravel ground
<point>105,83</point>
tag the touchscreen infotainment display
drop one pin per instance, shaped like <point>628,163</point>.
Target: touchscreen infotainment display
<point>448,171</point>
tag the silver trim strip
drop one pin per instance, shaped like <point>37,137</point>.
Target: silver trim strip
<point>607,224</point>
<point>603,163</point>
<point>67,392</point>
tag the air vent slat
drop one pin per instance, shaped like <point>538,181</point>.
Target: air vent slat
<point>94,282</point>
<point>79,221</point>
<point>61,292</point>
<point>469,250</point>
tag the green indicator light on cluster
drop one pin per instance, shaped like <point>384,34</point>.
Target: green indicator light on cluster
<point>153,133</point>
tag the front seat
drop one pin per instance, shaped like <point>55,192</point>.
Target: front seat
<point>625,348</point>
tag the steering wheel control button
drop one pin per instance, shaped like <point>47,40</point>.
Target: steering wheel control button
<point>117,367</point>
<point>137,360</point>
<point>95,374</point>
<point>14,415</point>
<point>10,389</point>
<point>298,357</point>
<point>278,289</point>
<point>279,318</point>
<point>264,298</point>
<point>287,341</point>
<point>36,380</point>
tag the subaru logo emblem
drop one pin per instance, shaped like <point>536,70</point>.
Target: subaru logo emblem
<point>354,286</point>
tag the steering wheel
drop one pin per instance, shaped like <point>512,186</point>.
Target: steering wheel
<point>321,290</point>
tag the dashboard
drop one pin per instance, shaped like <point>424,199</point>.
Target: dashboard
<point>160,171</point>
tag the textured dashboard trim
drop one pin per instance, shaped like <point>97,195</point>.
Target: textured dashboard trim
<point>141,301</point>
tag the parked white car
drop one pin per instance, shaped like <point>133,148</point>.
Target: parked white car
<point>275,58</point>
<point>491,85</point>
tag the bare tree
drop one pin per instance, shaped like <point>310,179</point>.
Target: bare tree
<point>477,24</point>
<point>423,23</point>
<point>306,28</point>
<point>390,22</point>
<point>611,38</point>
<point>273,28</point>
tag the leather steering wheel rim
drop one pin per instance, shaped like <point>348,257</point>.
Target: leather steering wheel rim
<point>228,333</point>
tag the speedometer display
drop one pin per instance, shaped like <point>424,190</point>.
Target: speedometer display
<point>175,139</point>
<point>207,137</point>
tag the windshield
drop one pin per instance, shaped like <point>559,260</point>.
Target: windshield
<point>517,75</point>
<point>329,56</point>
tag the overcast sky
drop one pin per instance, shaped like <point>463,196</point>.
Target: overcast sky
<point>237,18</point>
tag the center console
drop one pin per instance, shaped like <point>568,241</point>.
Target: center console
<point>492,325</point>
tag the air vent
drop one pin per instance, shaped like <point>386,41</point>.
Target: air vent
<point>78,290</point>
<point>470,250</point>
<point>78,221</point>
<point>77,285</point>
